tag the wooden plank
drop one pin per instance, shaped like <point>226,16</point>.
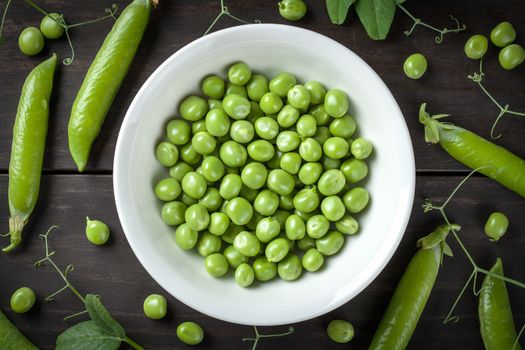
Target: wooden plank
<point>176,23</point>
<point>115,274</point>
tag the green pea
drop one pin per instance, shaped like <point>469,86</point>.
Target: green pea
<point>261,150</point>
<point>167,154</point>
<point>173,213</point>
<point>356,199</point>
<point>234,258</point>
<point>189,155</point>
<point>248,193</point>
<point>266,128</point>
<point>281,83</point>
<point>233,154</point>
<point>361,148</point>
<point>330,243</point>
<point>247,244</point>
<point>30,41</point>
<point>231,232</point>
<point>295,227</point>
<point>239,73</point>
<point>329,163</point>
<point>503,34</point>
<point>236,89</point>
<point>271,103</point>
<point>188,200</point>
<point>292,10</point>
<point>415,66</point>
<point>194,184</point>
<point>310,150</point>
<point>208,244</point>
<point>267,229</point>
<point>317,226</point>
<point>193,108</point>
<point>306,243</point>
<point>198,126</point>
<point>316,90</point>
<point>511,56</point>
<point>212,168</point>
<point>333,208</point>
<point>266,202</point>
<point>257,87</point>
<point>211,200</point>
<point>22,300</point>
<point>280,182</point>
<point>340,331</point>
<point>230,186</point>
<point>219,222</point>
<point>347,225</point>
<point>264,270</point>
<point>214,104</point>
<point>277,249</point>
<point>216,264</point>
<point>476,46</point>
<point>335,147</point>
<point>306,200</point>
<point>244,275</point>
<point>288,116</point>
<point>236,106</point>
<point>50,27</point>
<point>179,170</point>
<point>496,225</point>
<point>242,131</point>
<point>217,122</point>
<point>322,134</point>
<point>178,132</point>
<point>254,175</point>
<point>239,210</point>
<point>167,189</point>
<point>213,87</point>
<point>290,267</point>
<point>310,173</point>
<point>354,170</point>
<point>336,103</point>
<point>312,260</point>
<point>331,182</point>
<point>155,306</point>
<point>185,237</point>
<point>343,127</point>
<point>288,141</point>
<point>286,202</point>
<point>190,333</point>
<point>299,97</point>
<point>320,115</point>
<point>197,217</point>
<point>306,125</point>
<point>291,162</point>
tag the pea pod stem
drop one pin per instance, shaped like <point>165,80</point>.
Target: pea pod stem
<point>258,336</point>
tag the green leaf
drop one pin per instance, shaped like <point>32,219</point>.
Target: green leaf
<point>338,10</point>
<point>100,315</point>
<point>376,16</point>
<point>400,1</point>
<point>86,336</point>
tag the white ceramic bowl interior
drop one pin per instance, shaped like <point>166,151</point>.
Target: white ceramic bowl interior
<point>269,49</point>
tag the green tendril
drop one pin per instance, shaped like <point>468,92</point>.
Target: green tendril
<point>441,32</point>
<point>62,22</point>
<point>226,12</point>
<point>258,336</point>
<point>520,333</point>
<point>3,18</point>
<point>427,207</point>
<point>477,77</point>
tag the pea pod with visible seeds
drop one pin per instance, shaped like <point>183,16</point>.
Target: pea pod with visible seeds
<point>475,152</point>
<point>103,79</point>
<point>495,316</point>
<point>11,338</point>
<point>27,150</point>
<point>412,292</point>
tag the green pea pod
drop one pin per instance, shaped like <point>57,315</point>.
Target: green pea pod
<point>409,299</point>
<point>475,152</point>
<point>11,338</point>
<point>495,316</point>
<point>27,150</point>
<point>103,79</point>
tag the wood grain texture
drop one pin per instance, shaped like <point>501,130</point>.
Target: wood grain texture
<point>113,272</point>
<point>176,23</point>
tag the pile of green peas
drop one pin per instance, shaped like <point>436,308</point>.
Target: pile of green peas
<point>263,175</point>
<point>31,40</point>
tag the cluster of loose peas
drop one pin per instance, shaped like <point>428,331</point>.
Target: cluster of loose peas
<point>260,168</point>
<point>31,40</point>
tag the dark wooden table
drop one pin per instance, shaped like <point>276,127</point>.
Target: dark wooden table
<point>113,272</point>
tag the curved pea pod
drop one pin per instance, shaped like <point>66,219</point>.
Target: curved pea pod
<point>495,316</point>
<point>475,152</point>
<point>412,292</point>
<point>103,79</point>
<point>27,150</point>
<point>11,338</point>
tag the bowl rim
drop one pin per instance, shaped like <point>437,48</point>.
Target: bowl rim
<point>385,255</point>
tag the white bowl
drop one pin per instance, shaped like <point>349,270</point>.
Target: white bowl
<point>266,48</point>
